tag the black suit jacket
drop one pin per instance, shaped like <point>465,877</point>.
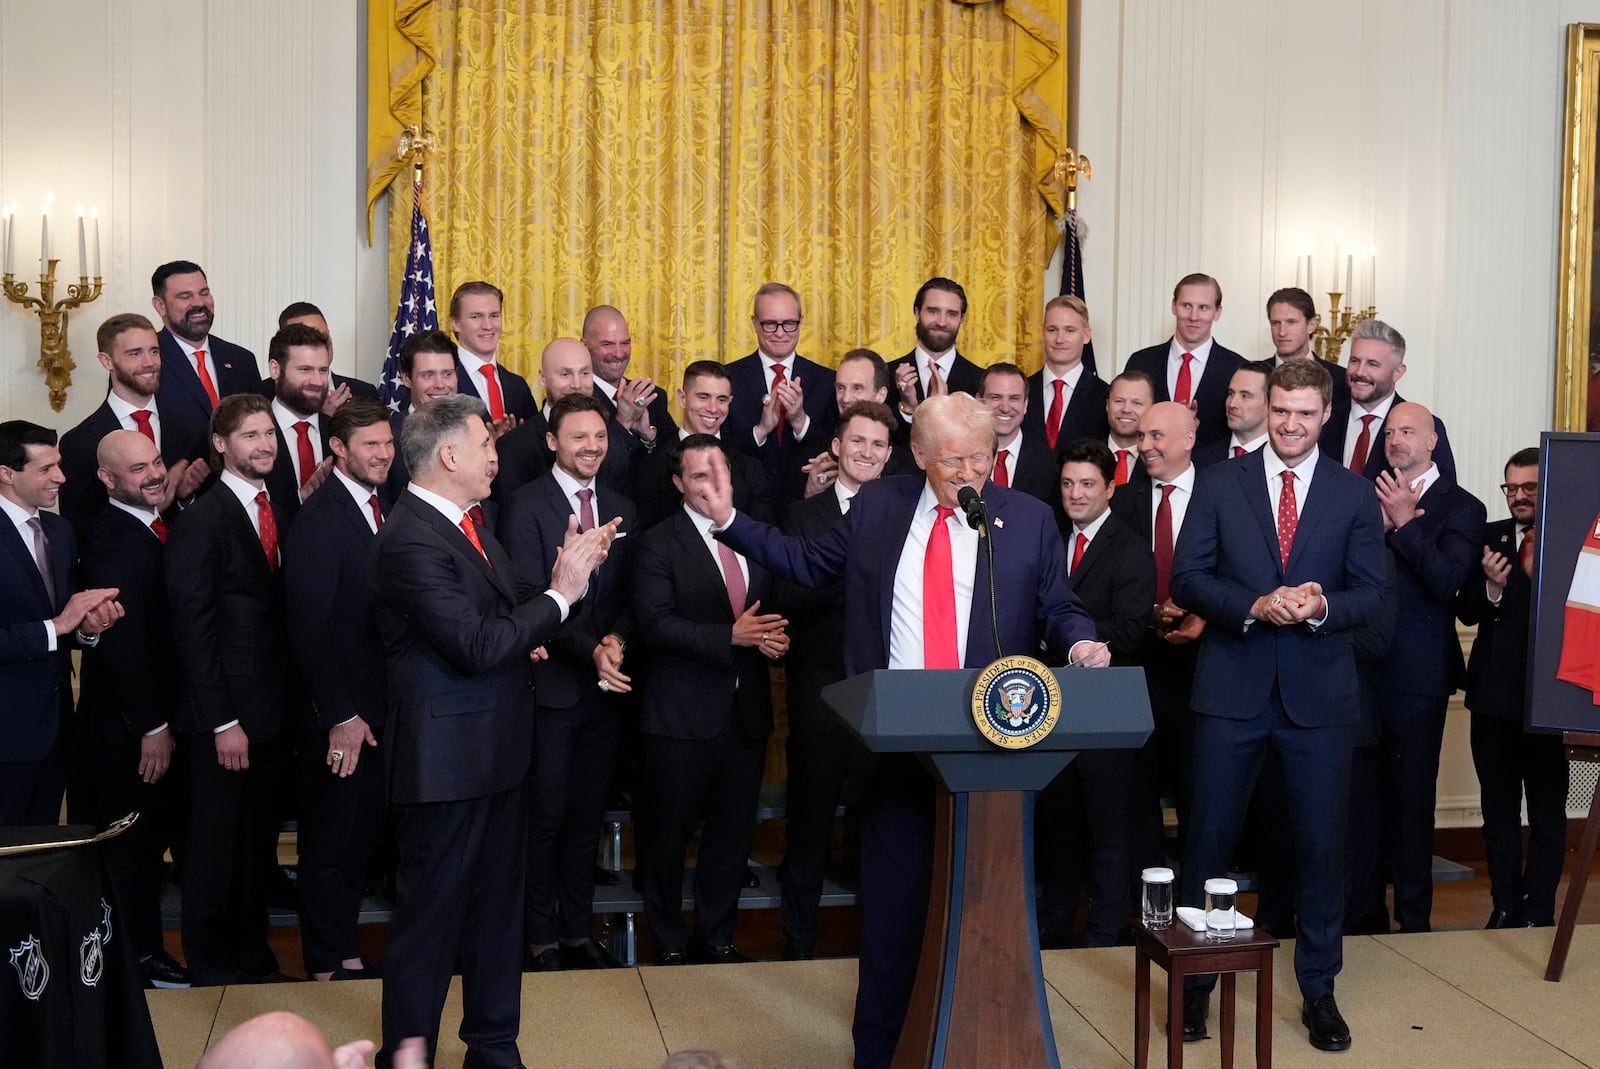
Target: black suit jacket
<point>1435,555</point>
<point>816,614</point>
<point>1210,394</point>
<point>656,497</point>
<point>1037,473</point>
<point>1116,583</point>
<point>514,389</point>
<point>83,495</point>
<point>227,619</point>
<point>131,682</point>
<point>681,610</point>
<point>333,635</point>
<point>1085,416</point>
<point>744,412</point>
<point>1331,440</point>
<point>233,370</point>
<point>282,483</point>
<point>533,524</point>
<point>965,377</point>
<point>526,456</point>
<point>36,684</point>
<point>1497,671</point>
<point>456,639</point>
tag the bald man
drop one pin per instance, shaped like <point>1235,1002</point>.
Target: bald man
<point>282,1040</point>
<point>1432,528</point>
<point>638,404</point>
<point>565,367</point>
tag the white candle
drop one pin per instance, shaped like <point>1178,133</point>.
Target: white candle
<point>1298,267</point>
<point>95,212</point>
<point>1372,280</point>
<point>1349,276</point>
<point>1311,276</point>
<point>5,245</point>
<point>83,246</point>
<point>44,242</point>
<point>11,238</point>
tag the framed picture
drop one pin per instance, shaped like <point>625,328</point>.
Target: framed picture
<point>1564,639</point>
<point>1577,386</point>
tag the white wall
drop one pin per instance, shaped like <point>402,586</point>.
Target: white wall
<point>223,132</point>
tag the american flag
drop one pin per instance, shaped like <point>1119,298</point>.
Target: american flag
<point>415,310</point>
<point>1072,273</point>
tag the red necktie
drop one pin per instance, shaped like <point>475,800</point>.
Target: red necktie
<point>491,385</point>
<point>1288,518</point>
<point>1052,421</point>
<point>732,577</point>
<point>476,512</point>
<point>159,527</point>
<point>1525,553</point>
<point>1077,552</point>
<point>939,649</point>
<point>1358,458</point>
<point>778,379</point>
<point>1124,466</point>
<point>269,529</point>
<point>585,509</point>
<point>1238,450</point>
<point>377,511</point>
<point>142,418</point>
<point>1163,544</point>
<point>1181,395</point>
<point>1000,477</point>
<point>308,459</point>
<point>205,376</point>
<point>470,529</point>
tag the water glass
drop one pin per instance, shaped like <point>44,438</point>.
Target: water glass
<point>1222,909</point>
<point>1156,899</point>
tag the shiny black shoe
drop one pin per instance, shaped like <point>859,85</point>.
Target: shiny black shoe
<point>1196,1008</point>
<point>587,955</point>
<point>1326,1027</point>
<point>793,951</point>
<point>672,957</point>
<point>160,970</point>
<point>547,960</point>
<point>604,877</point>
<point>1503,918</point>
<point>727,954</point>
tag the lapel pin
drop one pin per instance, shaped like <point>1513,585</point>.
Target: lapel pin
<point>998,522</point>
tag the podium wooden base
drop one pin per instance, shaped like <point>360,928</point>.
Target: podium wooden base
<point>979,997</point>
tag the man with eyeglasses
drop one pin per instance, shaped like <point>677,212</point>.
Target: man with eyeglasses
<point>782,402</point>
<point>911,577</point>
<point>1511,761</point>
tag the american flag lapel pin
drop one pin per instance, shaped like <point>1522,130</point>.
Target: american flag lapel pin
<point>998,522</point>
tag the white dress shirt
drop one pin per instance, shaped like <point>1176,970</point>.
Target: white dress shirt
<point>570,487</point>
<point>1089,531</point>
<point>194,364</point>
<point>362,496</point>
<point>1352,429</point>
<point>286,417</point>
<point>1178,502</point>
<point>606,388</point>
<point>1197,366</point>
<point>1249,447</point>
<point>906,649</point>
<point>124,413</point>
<point>768,364</point>
<point>453,512</point>
<point>1423,482</point>
<point>246,492</point>
<point>924,361</point>
<point>703,525</point>
<point>1071,378</point>
<point>844,494</point>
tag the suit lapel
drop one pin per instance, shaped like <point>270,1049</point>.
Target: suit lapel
<point>11,540</point>
<point>893,543</point>
<point>495,571</point>
<point>1098,547</point>
<point>1314,506</point>
<point>1252,476</point>
<point>353,513</point>
<point>244,528</point>
<point>698,554</point>
<point>176,368</point>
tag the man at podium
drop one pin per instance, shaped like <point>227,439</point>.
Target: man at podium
<point>916,597</point>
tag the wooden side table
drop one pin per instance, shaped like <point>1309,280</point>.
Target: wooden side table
<point>1183,952</point>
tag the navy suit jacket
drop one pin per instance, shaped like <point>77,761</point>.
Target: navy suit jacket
<point>514,389</point>
<point>456,641</point>
<point>233,370</point>
<point>83,495</point>
<point>744,412</point>
<point>1331,441</point>
<point>37,684</point>
<point>1227,556</point>
<point>1037,473</point>
<point>1435,556</point>
<point>332,632</point>
<point>533,524</point>
<point>525,455</point>
<point>131,682</point>
<point>1085,416</point>
<point>1039,616</point>
<point>1497,671</point>
<point>282,483</point>
<point>816,614</point>
<point>1210,394</point>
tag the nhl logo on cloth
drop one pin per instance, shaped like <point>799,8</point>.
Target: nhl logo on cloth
<point>1016,702</point>
<point>33,972</point>
<point>91,959</point>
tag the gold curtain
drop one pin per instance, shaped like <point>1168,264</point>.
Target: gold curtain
<point>401,52</point>
<point>669,156</point>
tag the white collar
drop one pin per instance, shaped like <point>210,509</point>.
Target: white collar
<point>568,484</point>
<point>124,411</point>
<point>1092,528</point>
<point>1184,481</point>
<point>1071,378</point>
<point>445,507</point>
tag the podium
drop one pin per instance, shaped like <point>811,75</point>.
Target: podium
<point>979,998</point>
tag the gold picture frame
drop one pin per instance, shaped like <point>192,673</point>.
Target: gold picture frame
<point>1577,387</point>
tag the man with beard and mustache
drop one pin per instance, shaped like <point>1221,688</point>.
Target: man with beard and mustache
<point>297,360</point>
<point>225,590</point>
<point>131,353</point>
<point>131,689</point>
<point>343,387</point>
<point>197,370</point>
<point>1191,367</point>
<point>1354,434</point>
<point>610,345</point>
<point>935,366</point>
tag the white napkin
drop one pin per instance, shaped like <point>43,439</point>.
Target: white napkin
<point>1196,918</point>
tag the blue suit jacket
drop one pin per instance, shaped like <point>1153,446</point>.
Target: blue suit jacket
<point>233,370</point>
<point>515,392</point>
<point>1037,609</point>
<point>36,683</point>
<point>1227,556</point>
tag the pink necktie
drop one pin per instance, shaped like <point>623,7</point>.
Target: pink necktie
<point>732,577</point>
<point>585,509</point>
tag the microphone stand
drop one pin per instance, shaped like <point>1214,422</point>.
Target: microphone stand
<point>978,519</point>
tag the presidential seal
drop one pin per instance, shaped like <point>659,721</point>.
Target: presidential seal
<point>1016,702</point>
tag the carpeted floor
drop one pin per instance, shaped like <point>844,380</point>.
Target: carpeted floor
<point>1461,1000</point>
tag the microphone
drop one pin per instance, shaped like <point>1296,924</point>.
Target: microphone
<point>977,512</point>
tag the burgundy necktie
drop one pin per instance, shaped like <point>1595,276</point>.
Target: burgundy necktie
<point>1163,544</point>
<point>733,578</point>
<point>1185,387</point>
<point>1052,422</point>
<point>1288,518</point>
<point>476,512</point>
<point>939,646</point>
<point>142,418</point>
<point>585,509</point>
<point>159,527</point>
<point>269,529</point>
<point>1358,458</point>
<point>377,511</point>
<point>778,379</point>
<point>1078,547</point>
<point>308,459</point>
<point>1000,476</point>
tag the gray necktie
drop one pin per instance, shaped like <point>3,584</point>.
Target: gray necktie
<point>41,556</point>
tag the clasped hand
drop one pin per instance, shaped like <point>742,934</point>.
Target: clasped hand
<point>1289,605</point>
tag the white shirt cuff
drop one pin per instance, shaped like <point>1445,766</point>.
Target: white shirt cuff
<point>1319,621</point>
<point>225,727</point>
<point>155,731</point>
<point>561,603</point>
<point>49,636</point>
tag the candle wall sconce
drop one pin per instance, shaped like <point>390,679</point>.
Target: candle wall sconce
<point>55,359</point>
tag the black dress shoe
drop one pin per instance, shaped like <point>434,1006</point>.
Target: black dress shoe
<point>1196,1008</point>
<point>1503,918</point>
<point>547,960</point>
<point>722,955</point>
<point>604,877</point>
<point>793,951</point>
<point>1326,1027</point>
<point>160,970</point>
<point>587,955</point>
<point>367,971</point>
<point>672,957</point>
